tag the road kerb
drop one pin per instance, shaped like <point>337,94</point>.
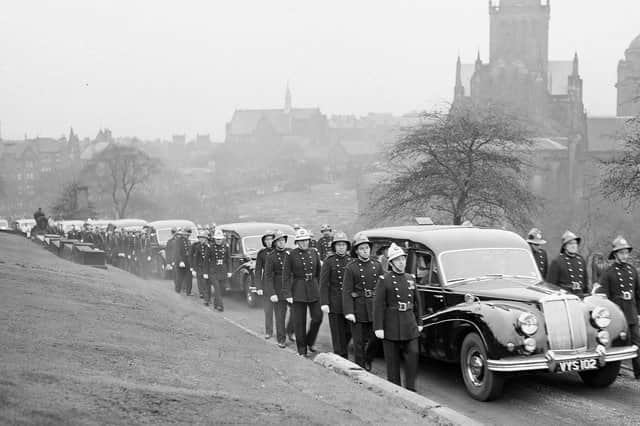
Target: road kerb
<point>411,399</point>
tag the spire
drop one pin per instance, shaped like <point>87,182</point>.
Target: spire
<point>478,60</point>
<point>576,65</point>
<point>458,91</point>
<point>287,100</point>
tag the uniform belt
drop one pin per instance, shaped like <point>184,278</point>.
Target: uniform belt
<point>365,293</point>
<point>402,307</point>
<point>626,295</point>
<point>305,277</point>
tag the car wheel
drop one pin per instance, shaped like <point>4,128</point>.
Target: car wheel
<point>602,377</point>
<point>481,383</point>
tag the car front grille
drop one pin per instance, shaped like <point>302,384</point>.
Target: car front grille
<point>566,327</point>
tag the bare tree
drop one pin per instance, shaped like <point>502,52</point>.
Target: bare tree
<point>622,173</point>
<point>117,172</point>
<point>469,163</point>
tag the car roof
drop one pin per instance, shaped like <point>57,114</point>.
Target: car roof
<point>173,223</point>
<point>129,222</point>
<point>255,228</point>
<point>441,238</point>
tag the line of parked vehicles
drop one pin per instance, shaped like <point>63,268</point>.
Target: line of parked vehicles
<point>486,306</point>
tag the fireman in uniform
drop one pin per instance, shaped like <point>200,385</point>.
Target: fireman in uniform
<point>358,290</point>
<point>168,254</point>
<point>259,276</point>
<point>220,268</point>
<point>200,259</point>
<point>276,273</point>
<point>182,261</point>
<point>534,238</point>
<point>396,319</point>
<point>331,276</point>
<point>324,243</point>
<point>303,291</point>
<point>569,269</point>
<point>620,284</point>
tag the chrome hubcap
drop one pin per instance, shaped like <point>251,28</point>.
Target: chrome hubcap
<point>475,367</point>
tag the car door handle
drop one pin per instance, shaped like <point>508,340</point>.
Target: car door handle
<point>438,296</point>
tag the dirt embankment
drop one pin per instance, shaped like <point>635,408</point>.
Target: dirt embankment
<point>87,346</point>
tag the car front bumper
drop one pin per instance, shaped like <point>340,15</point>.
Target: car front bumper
<point>551,359</point>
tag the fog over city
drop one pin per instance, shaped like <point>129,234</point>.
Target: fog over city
<point>154,68</point>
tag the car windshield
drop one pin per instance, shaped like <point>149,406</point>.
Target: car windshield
<point>252,244</point>
<point>163,235</point>
<point>464,265</point>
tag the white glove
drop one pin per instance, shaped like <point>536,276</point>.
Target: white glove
<point>229,274</point>
<point>325,308</point>
<point>350,317</point>
<point>128,256</point>
<point>259,292</point>
<point>420,327</point>
<point>289,300</point>
<point>274,298</point>
<point>181,264</point>
<point>205,276</point>
<point>194,273</point>
<point>379,334</point>
<point>169,267</point>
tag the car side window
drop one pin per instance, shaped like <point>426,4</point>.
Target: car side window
<point>426,270</point>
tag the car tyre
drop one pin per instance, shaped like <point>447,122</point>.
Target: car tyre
<point>482,383</point>
<point>602,377</point>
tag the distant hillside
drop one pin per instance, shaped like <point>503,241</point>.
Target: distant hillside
<point>325,203</point>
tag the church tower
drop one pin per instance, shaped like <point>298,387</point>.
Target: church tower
<point>629,81</point>
<point>519,34</point>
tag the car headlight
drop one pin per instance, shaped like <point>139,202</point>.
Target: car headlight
<point>528,323</point>
<point>601,317</point>
<point>603,337</point>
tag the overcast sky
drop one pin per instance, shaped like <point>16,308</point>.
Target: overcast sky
<point>155,68</point>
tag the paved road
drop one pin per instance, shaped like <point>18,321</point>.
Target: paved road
<point>544,399</point>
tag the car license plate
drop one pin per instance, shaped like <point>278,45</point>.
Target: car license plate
<point>578,365</point>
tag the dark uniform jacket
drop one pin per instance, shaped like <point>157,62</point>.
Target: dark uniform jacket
<point>324,246</point>
<point>397,307</point>
<point>570,273</point>
<point>331,277</point>
<point>620,284</point>
<point>304,267</point>
<point>220,261</point>
<point>170,248</point>
<point>181,251</point>
<point>276,273</point>
<point>358,289</point>
<point>540,256</point>
<point>260,269</point>
<point>201,257</point>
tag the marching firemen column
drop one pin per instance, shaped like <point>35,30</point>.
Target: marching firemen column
<point>620,284</point>
<point>324,243</point>
<point>182,260</point>
<point>304,291</point>
<point>220,268</point>
<point>275,275</point>
<point>534,238</point>
<point>259,276</point>
<point>331,276</point>
<point>200,264</point>
<point>397,312</point>
<point>358,290</point>
<point>569,269</point>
